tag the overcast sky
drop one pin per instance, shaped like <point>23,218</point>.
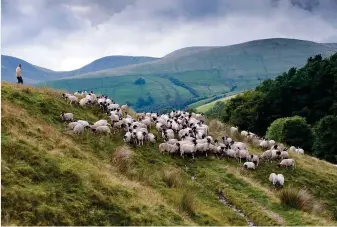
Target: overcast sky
<point>67,34</point>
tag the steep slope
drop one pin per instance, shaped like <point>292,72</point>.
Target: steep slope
<point>35,74</point>
<point>195,73</point>
<point>51,177</point>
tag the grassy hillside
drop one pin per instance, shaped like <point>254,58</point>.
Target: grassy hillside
<point>34,74</point>
<point>208,106</point>
<point>51,177</point>
<point>195,73</point>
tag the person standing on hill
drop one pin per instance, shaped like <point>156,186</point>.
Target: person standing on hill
<point>18,74</point>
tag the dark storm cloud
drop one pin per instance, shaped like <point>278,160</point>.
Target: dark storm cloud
<point>77,28</point>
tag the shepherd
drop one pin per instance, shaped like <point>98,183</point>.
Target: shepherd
<point>18,74</point>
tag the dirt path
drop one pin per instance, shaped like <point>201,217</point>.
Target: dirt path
<point>223,200</point>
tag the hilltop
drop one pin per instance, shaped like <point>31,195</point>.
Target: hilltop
<point>51,177</point>
<point>34,74</point>
<point>196,73</point>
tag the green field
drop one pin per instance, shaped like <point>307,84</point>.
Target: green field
<point>51,177</point>
<point>202,72</point>
<point>205,107</point>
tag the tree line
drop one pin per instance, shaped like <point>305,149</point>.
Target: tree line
<point>298,107</point>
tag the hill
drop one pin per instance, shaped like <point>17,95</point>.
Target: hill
<point>204,108</point>
<point>51,177</point>
<point>33,74</point>
<point>308,92</point>
<point>196,73</point>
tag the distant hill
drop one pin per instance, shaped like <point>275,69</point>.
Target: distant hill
<point>35,74</point>
<point>194,73</point>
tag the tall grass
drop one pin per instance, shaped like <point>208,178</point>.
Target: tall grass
<point>298,199</point>
<point>188,203</point>
<point>173,178</point>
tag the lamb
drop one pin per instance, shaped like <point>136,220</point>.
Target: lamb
<point>272,178</point>
<point>249,165</point>
<point>102,129</point>
<point>67,116</point>
<point>288,162</point>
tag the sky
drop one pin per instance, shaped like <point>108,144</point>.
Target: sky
<point>68,34</point>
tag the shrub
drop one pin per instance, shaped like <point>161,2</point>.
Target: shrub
<point>298,199</point>
<point>325,139</point>
<point>291,130</point>
<point>140,81</point>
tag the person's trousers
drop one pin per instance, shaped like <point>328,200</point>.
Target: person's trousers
<point>20,81</point>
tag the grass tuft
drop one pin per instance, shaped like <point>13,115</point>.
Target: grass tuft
<point>188,203</point>
<point>122,158</point>
<point>173,178</point>
<point>298,199</point>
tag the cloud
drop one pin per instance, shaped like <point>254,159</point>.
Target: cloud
<point>67,34</point>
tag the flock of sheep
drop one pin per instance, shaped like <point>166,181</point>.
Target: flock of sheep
<point>182,133</point>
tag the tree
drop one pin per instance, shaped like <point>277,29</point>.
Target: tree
<point>293,131</point>
<point>325,142</point>
<point>140,81</point>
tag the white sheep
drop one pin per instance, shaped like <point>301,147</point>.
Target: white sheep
<point>288,162</point>
<point>249,165</point>
<point>300,151</point>
<point>254,158</point>
<point>84,101</point>
<point>271,143</point>
<point>72,99</point>
<point>71,125</point>
<point>234,130</point>
<point>242,154</point>
<point>292,149</point>
<point>127,137</point>
<point>78,129</point>
<point>152,138</point>
<point>84,123</point>
<point>272,178</point>
<point>188,149</point>
<point>280,179</point>
<point>67,116</point>
<point>165,147</point>
<point>102,129</point>
<point>244,133</point>
<point>284,154</point>
<point>264,144</point>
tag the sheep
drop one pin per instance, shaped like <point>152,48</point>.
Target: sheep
<point>272,178</point>
<point>288,162</point>
<point>202,148</point>
<point>292,149</point>
<point>84,101</point>
<point>72,99</point>
<point>124,107</point>
<point>244,133</point>
<point>171,141</point>
<point>152,138</point>
<point>242,154</point>
<point>171,149</point>
<point>78,129</point>
<point>71,125</point>
<point>300,151</point>
<point>271,143</point>
<point>84,123</point>
<point>284,155</point>
<point>238,146</point>
<point>102,129</point>
<point>67,116</point>
<point>234,130</point>
<point>254,158</point>
<point>188,149</point>
<point>264,144</point>
<point>101,123</point>
<point>280,180</point>
<point>140,137</point>
<point>249,165</point>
